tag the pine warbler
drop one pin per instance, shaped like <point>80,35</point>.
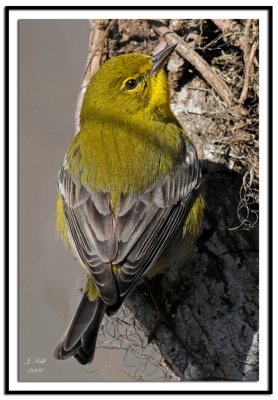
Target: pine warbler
<point>129,190</point>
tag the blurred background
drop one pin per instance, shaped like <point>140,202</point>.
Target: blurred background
<point>52,59</point>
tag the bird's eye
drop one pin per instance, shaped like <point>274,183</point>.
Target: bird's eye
<point>131,84</point>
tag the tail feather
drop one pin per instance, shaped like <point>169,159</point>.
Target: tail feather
<point>80,338</point>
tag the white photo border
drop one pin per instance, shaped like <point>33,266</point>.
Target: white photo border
<point>12,15</point>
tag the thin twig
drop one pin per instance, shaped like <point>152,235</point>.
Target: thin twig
<point>247,40</point>
<point>198,62</point>
<point>247,73</point>
<point>233,29</point>
<point>233,32</point>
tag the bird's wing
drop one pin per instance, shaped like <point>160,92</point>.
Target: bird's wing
<point>91,227</point>
<point>146,224</point>
<point>134,239</point>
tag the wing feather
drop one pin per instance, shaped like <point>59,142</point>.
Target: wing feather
<point>139,231</point>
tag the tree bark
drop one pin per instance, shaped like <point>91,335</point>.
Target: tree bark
<point>213,296</point>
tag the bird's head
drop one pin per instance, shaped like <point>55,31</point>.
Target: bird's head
<point>129,86</point>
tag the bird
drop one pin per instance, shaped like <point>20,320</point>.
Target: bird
<point>130,194</point>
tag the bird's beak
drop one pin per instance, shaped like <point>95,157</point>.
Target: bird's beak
<point>159,59</point>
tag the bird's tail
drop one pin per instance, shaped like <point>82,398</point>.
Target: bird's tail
<point>80,338</point>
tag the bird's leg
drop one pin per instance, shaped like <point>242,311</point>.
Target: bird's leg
<point>162,317</point>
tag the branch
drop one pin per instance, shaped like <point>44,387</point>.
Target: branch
<point>234,34</point>
<point>186,51</point>
<point>233,30</point>
<point>247,72</point>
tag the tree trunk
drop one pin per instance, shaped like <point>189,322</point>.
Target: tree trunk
<point>213,297</point>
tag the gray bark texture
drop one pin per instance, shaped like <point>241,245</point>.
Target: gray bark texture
<point>213,297</point>
<point>211,301</point>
